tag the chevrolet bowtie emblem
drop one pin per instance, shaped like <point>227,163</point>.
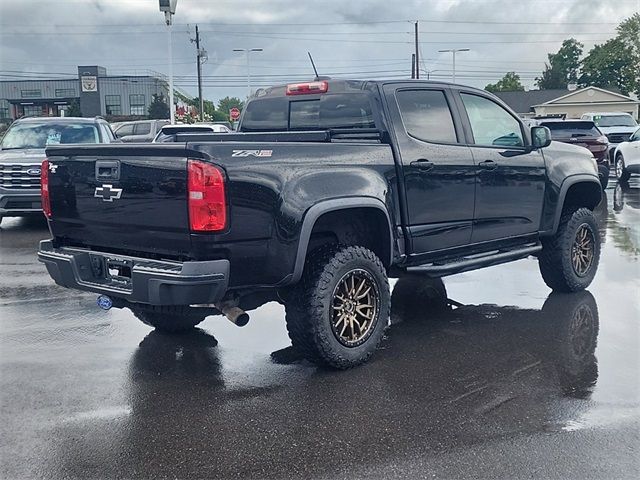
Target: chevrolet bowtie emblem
<point>107,193</point>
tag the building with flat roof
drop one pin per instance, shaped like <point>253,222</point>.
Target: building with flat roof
<point>96,92</point>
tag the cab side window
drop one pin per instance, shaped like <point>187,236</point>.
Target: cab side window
<point>491,124</point>
<point>426,115</point>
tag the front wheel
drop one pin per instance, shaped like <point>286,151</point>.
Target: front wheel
<point>569,260</point>
<point>340,310</point>
<point>167,318</point>
<point>603,174</point>
<point>621,169</point>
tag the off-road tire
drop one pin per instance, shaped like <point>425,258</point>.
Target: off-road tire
<point>555,259</point>
<point>168,318</point>
<point>621,171</point>
<point>309,309</point>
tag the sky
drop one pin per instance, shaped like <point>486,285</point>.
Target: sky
<point>356,38</point>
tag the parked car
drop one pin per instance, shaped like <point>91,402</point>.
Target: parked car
<point>168,132</point>
<point>139,131</point>
<point>330,188</point>
<point>22,151</point>
<point>617,126</point>
<point>627,157</point>
<point>583,133</point>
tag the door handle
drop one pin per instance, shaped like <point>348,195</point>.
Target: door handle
<point>423,164</point>
<point>488,165</point>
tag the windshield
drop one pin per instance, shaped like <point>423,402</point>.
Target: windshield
<point>614,121</point>
<point>572,129</point>
<point>39,135</point>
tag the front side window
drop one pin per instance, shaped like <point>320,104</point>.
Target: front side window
<point>112,105</point>
<point>136,104</point>
<point>491,124</point>
<point>142,128</point>
<point>426,115</point>
<point>124,130</point>
<point>39,135</point>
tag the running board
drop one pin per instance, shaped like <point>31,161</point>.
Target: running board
<point>463,264</point>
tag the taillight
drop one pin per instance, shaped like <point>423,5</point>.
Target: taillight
<point>307,88</point>
<point>602,139</point>
<point>44,188</point>
<point>207,202</point>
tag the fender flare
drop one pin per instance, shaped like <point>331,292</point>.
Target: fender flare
<point>319,209</point>
<point>568,183</point>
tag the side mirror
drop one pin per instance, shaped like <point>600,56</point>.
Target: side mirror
<point>540,137</point>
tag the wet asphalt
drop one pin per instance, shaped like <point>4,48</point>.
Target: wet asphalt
<point>510,381</point>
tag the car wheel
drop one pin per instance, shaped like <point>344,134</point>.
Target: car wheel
<point>621,171</point>
<point>569,260</point>
<point>167,318</point>
<point>603,174</point>
<point>339,311</point>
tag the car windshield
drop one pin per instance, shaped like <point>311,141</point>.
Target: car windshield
<point>39,135</point>
<point>614,121</point>
<point>572,129</point>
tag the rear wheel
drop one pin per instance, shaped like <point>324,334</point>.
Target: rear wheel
<point>339,311</point>
<point>569,260</point>
<point>168,318</point>
<point>621,170</point>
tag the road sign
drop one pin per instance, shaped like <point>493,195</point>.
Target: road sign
<point>234,113</point>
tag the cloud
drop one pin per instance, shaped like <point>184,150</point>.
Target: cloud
<point>367,38</point>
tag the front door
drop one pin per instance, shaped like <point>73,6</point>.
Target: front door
<point>439,173</point>
<point>510,178</point>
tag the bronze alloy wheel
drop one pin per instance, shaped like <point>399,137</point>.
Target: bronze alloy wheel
<point>355,307</point>
<point>583,250</point>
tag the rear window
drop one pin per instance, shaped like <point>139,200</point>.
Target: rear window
<point>614,121</point>
<point>39,135</point>
<point>351,110</point>
<point>572,129</point>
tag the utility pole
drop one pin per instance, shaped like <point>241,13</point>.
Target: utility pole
<point>417,54</point>
<point>413,65</point>
<point>247,51</point>
<point>199,59</point>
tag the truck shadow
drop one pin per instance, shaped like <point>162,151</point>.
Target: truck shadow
<point>452,375</point>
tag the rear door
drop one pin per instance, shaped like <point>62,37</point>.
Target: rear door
<point>510,177</point>
<point>439,172</point>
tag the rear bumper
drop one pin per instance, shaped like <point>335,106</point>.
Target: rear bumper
<point>144,281</point>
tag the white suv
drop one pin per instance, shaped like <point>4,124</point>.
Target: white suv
<point>617,126</point>
<point>627,157</point>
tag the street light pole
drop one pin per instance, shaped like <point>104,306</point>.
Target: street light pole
<point>168,7</point>
<point>453,52</point>
<point>247,52</point>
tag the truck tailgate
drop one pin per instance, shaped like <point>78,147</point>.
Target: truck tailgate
<point>102,197</point>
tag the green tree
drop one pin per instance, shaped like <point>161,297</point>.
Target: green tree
<point>227,103</point>
<point>563,67</point>
<point>74,109</point>
<point>509,83</point>
<point>611,65</point>
<point>158,109</point>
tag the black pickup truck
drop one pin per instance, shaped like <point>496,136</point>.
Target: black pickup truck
<point>329,188</point>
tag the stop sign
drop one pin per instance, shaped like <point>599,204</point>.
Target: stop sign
<point>234,113</point>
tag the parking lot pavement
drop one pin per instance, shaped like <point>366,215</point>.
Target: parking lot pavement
<point>514,383</point>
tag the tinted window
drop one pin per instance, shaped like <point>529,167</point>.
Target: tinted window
<point>426,115</point>
<point>39,135</point>
<point>572,129</point>
<point>124,130</point>
<point>491,124</point>
<point>351,110</point>
<point>142,129</point>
